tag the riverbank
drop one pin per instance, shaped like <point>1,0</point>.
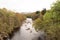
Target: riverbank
<point>10,22</point>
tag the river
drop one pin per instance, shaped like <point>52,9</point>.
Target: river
<point>27,32</point>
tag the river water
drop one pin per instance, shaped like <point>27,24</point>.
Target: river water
<point>27,32</point>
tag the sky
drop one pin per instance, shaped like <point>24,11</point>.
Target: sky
<point>26,5</point>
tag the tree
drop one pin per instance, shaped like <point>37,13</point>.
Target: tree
<point>43,11</point>
<point>37,12</point>
<point>50,23</point>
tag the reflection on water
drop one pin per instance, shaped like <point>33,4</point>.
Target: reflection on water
<point>27,32</point>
